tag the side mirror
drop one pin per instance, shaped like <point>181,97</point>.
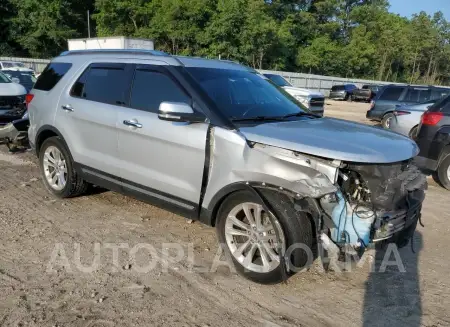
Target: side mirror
<point>15,80</point>
<point>179,112</point>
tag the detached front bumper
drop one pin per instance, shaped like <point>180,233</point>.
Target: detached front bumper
<point>14,133</point>
<point>398,227</point>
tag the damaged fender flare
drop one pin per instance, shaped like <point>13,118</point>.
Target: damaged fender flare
<point>307,204</point>
<point>44,133</point>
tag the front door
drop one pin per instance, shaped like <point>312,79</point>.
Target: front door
<point>161,159</point>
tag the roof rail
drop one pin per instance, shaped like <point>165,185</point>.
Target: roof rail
<point>116,51</point>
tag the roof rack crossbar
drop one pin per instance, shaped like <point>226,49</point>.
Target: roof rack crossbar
<point>116,51</point>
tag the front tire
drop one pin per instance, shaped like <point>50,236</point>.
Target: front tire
<point>248,236</point>
<point>58,173</point>
<point>385,122</point>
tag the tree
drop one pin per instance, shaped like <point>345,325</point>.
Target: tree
<point>42,27</point>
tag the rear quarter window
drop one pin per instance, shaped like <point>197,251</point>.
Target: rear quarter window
<point>391,93</point>
<point>51,75</point>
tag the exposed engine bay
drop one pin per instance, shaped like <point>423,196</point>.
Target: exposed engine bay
<point>375,202</point>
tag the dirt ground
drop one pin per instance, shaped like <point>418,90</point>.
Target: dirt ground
<point>43,283</point>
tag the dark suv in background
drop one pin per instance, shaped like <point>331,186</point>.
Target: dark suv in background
<point>434,142</point>
<point>392,96</point>
<point>366,93</point>
<point>342,92</point>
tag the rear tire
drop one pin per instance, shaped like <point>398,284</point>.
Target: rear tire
<point>70,184</point>
<point>443,172</point>
<point>385,122</point>
<point>296,228</point>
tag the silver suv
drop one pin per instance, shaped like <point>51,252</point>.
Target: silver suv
<point>217,142</point>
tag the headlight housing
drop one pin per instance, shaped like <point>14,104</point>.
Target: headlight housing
<point>304,100</point>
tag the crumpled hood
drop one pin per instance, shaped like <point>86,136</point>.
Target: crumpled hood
<point>334,139</point>
<point>303,92</point>
<point>12,89</point>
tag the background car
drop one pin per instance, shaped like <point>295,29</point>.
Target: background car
<point>391,97</point>
<point>433,140</point>
<point>366,93</point>
<point>406,119</point>
<point>312,100</point>
<point>342,92</point>
<point>15,65</point>
<point>12,98</point>
<point>26,79</point>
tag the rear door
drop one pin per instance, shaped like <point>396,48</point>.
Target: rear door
<point>87,114</point>
<point>161,159</point>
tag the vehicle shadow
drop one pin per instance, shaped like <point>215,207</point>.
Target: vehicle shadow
<point>392,297</point>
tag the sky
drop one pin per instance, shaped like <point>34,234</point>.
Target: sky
<point>409,7</point>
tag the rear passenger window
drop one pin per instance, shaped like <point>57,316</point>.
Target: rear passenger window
<point>51,75</point>
<point>392,93</point>
<point>417,95</point>
<point>106,83</point>
<point>150,88</point>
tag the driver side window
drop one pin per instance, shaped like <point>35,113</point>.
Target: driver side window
<point>150,88</point>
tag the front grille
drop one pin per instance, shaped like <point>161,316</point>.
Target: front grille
<point>11,102</point>
<point>317,102</point>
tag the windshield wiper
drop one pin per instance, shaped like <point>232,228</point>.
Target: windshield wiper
<point>275,118</point>
<point>257,118</point>
<point>300,114</point>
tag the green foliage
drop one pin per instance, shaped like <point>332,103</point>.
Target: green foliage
<point>353,38</point>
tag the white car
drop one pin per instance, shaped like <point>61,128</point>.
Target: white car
<point>312,100</point>
<point>12,97</point>
<point>15,65</point>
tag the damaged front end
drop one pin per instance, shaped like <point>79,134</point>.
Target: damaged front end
<point>374,203</point>
<point>15,134</point>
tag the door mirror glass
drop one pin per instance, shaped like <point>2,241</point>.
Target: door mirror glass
<point>180,112</point>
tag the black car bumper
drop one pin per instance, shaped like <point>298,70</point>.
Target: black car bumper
<point>432,142</point>
<point>373,115</point>
<point>425,164</point>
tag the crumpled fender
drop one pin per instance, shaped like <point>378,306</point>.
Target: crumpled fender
<point>233,161</point>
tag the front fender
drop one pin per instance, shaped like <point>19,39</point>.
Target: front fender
<point>234,161</point>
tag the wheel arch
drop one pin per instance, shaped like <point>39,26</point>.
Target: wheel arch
<point>46,132</point>
<point>445,151</point>
<point>307,204</point>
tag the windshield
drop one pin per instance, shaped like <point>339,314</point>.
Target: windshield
<point>4,79</point>
<point>10,64</point>
<point>243,94</point>
<point>278,80</point>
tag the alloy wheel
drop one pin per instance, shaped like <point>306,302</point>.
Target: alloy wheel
<point>55,168</point>
<point>252,238</point>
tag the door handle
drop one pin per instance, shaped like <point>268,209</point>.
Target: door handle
<point>67,107</point>
<point>132,123</point>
